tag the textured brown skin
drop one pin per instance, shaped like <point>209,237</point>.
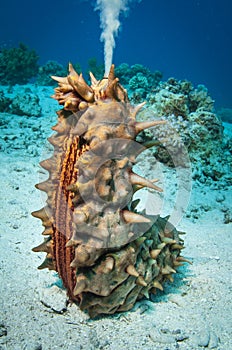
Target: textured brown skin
<point>94,242</point>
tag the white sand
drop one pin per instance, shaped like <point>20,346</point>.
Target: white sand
<point>193,312</point>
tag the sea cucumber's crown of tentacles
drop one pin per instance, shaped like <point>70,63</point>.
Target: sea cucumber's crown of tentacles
<point>107,254</point>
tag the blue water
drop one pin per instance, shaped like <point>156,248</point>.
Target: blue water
<point>187,39</point>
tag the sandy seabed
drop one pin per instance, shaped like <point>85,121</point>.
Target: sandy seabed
<point>193,312</point>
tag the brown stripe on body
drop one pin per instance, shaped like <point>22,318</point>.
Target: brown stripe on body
<point>63,215</point>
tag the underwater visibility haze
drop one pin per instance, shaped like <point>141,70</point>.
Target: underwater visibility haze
<point>133,174</point>
<point>185,39</point>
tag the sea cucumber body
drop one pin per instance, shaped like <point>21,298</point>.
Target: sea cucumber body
<point>107,254</point>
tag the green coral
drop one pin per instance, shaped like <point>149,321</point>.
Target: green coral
<point>48,69</point>
<point>95,68</point>
<point>138,80</point>
<point>17,65</point>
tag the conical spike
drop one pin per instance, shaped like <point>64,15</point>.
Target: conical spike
<point>168,240</point>
<point>44,186</point>
<point>154,253</point>
<point>110,91</point>
<point>170,278</point>
<point>181,258</point>
<point>80,85</point>
<point>132,271</point>
<point>131,217</point>
<point>106,266</point>
<point>62,80</point>
<point>48,164</point>
<point>145,292</point>
<point>161,245</point>
<point>158,285</point>
<point>111,75</point>
<point>72,71</point>
<point>80,285</point>
<point>94,81</point>
<point>135,110</point>
<point>46,246</point>
<point>140,241</point>
<point>47,264</point>
<point>48,231</point>
<point>42,213</point>
<point>141,281</point>
<point>167,270</point>
<point>139,180</point>
<point>177,246</point>
<point>56,140</point>
<point>140,126</point>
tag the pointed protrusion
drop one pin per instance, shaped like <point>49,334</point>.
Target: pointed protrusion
<point>94,81</point>
<point>154,253</point>
<point>72,71</point>
<point>145,292</point>
<point>48,164</point>
<point>141,281</point>
<point>111,89</point>
<point>56,140</point>
<point>177,246</point>
<point>158,285</point>
<point>80,285</point>
<point>81,256</point>
<point>167,270</point>
<point>42,213</point>
<point>131,270</point>
<point>62,80</point>
<point>181,233</point>
<point>48,231</point>
<point>44,186</point>
<point>106,266</point>
<point>111,75</point>
<point>140,126</point>
<point>80,85</point>
<point>168,240</point>
<point>139,180</point>
<point>47,264</point>
<point>140,241</point>
<point>170,278</point>
<point>131,217</point>
<point>161,246</point>
<point>181,258</point>
<point>137,108</point>
<point>44,247</point>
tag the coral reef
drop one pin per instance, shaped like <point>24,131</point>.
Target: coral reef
<point>192,126</point>
<point>17,65</point>
<point>107,254</point>
<point>138,80</point>
<point>45,72</point>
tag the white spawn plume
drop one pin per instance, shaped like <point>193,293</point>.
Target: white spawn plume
<point>109,16</point>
